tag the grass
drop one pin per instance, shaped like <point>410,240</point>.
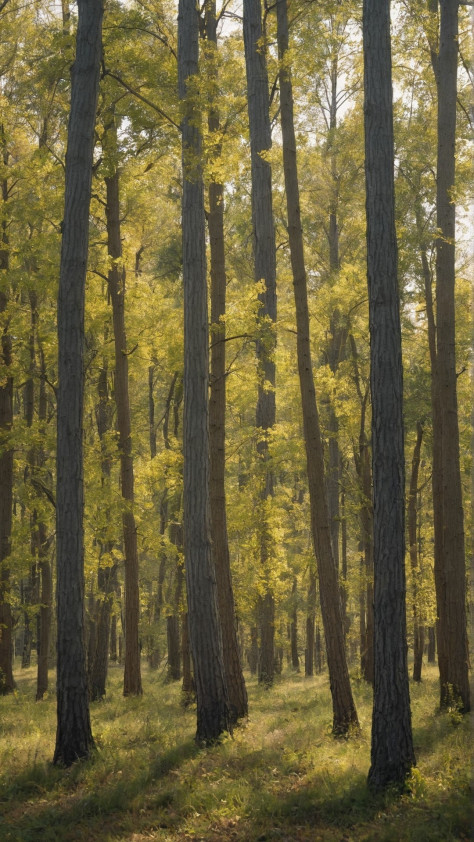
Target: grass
<point>282,776</point>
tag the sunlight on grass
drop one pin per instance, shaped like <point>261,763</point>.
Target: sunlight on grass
<point>281,776</point>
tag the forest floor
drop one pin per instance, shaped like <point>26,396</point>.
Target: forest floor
<point>282,776</point>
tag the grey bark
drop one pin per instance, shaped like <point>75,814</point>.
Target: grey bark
<point>204,627</point>
<point>264,270</point>
<point>74,736</point>
<point>217,403</point>
<point>392,754</point>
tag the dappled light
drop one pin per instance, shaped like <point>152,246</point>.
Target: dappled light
<point>281,776</point>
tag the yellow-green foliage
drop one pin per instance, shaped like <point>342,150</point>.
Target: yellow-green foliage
<point>281,776</point>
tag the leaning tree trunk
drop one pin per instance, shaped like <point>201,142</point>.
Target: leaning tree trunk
<point>450,562</point>
<point>132,683</point>
<point>392,754</point>
<point>217,402</point>
<point>74,736</point>
<point>204,627</point>
<point>344,711</point>
<point>264,270</point>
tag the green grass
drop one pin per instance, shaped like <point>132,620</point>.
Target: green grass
<point>282,776</point>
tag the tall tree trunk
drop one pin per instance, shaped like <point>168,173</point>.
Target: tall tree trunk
<point>310,620</point>
<point>217,402</point>
<point>264,270</point>
<point>41,574</point>
<point>344,711</point>
<point>392,754</point>
<point>132,683</point>
<point>295,661</point>
<point>204,626</point>
<point>450,563</point>
<point>412,517</point>
<point>107,573</point>
<point>366,545</point>
<point>74,737</point>
<point>46,594</point>
<point>7,684</point>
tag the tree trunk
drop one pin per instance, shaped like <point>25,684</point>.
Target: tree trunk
<point>106,574</point>
<point>253,651</point>
<point>264,270</point>
<point>310,619</point>
<point>392,754</point>
<point>132,685</point>
<point>450,563</point>
<point>364,475</point>
<point>174,647</point>
<point>295,661</point>
<point>74,736</point>
<point>188,687</point>
<point>45,613</point>
<point>431,645</point>
<point>204,627</point>
<point>7,684</point>
<point>217,403</point>
<point>418,631</point>
<point>344,711</point>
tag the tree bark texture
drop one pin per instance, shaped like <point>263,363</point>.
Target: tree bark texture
<point>450,562</point>
<point>344,711</point>
<point>74,736</point>
<point>204,626</point>
<point>132,685</point>
<point>217,404</point>
<point>392,754</point>
<point>264,270</point>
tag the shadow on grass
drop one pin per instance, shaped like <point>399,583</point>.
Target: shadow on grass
<point>352,812</point>
<point>78,813</point>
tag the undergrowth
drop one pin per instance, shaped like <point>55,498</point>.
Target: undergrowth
<point>281,776</point>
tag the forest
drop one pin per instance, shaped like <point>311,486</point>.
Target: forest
<point>236,419</point>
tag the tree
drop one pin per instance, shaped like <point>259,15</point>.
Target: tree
<point>74,736</point>
<point>344,711</point>
<point>392,754</point>
<point>264,271</point>
<point>7,683</point>
<point>204,629</point>
<point>450,563</point>
<point>116,286</point>
<point>217,400</point>
<point>412,517</point>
